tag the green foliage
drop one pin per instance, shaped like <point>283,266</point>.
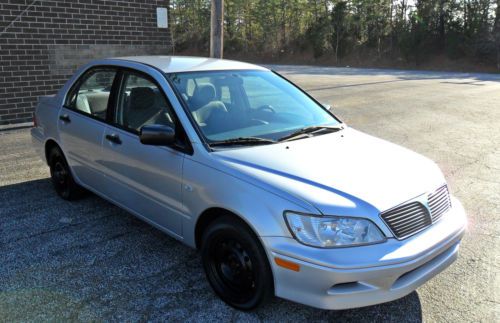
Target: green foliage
<point>317,34</point>
<point>412,30</point>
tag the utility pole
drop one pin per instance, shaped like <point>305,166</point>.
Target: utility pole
<point>217,29</point>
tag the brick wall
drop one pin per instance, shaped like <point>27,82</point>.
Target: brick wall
<point>43,42</point>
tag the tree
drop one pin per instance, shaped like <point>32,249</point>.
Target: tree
<point>413,31</point>
<point>339,23</point>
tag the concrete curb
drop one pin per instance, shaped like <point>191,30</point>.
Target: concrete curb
<point>16,126</point>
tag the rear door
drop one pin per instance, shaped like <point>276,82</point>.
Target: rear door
<point>145,179</point>
<point>82,121</point>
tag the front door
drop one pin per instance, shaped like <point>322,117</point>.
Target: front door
<point>145,179</point>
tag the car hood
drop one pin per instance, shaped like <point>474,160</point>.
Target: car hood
<point>343,173</point>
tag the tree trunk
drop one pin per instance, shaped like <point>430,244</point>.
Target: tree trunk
<point>378,47</point>
<point>442,30</point>
<point>391,25</point>
<point>337,44</point>
<point>283,25</point>
<point>465,18</point>
<point>315,11</point>
<point>497,33</point>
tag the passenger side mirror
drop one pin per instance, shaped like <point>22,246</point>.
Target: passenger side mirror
<point>157,135</point>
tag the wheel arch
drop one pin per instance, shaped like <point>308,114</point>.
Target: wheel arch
<point>49,145</point>
<point>213,213</point>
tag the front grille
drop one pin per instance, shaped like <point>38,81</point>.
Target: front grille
<point>408,219</point>
<point>439,202</point>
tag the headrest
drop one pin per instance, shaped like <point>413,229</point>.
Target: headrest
<point>82,103</point>
<point>142,98</point>
<point>202,95</point>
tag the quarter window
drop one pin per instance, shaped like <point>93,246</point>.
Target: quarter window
<point>91,96</point>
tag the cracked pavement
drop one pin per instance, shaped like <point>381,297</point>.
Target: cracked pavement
<point>89,260</point>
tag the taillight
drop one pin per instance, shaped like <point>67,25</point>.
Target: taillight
<point>35,123</point>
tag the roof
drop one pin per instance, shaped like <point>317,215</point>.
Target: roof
<point>173,64</point>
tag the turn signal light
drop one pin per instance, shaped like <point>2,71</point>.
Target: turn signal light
<point>287,264</point>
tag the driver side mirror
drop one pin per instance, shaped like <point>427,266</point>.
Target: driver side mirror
<point>157,135</point>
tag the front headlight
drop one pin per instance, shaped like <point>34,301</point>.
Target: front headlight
<point>332,231</point>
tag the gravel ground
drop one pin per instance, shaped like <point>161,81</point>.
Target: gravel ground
<point>89,260</point>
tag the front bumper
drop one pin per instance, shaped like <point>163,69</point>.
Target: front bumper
<point>345,278</point>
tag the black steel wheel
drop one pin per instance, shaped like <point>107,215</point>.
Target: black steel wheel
<point>236,265</point>
<point>63,181</point>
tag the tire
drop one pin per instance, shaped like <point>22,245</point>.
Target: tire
<point>61,176</point>
<point>236,265</point>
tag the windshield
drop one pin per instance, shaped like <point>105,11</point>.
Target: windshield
<point>228,105</point>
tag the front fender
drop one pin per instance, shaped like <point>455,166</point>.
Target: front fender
<point>206,187</point>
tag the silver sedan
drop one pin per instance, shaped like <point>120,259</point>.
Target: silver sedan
<point>279,195</point>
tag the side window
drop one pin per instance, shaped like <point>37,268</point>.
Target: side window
<point>91,96</point>
<point>142,103</point>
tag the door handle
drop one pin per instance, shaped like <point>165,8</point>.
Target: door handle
<point>65,118</point>
<point>114,139</point>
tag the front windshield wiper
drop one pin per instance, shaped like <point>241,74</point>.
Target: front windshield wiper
<point>247,141</point>
<point>310,131</point>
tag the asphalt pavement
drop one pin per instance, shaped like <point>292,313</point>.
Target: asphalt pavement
<point>89,260</point>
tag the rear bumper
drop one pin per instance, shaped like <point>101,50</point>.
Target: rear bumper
<point>37,141</point>
<point>338,286</point>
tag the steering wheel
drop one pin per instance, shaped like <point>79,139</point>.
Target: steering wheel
<point>266,107</point>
